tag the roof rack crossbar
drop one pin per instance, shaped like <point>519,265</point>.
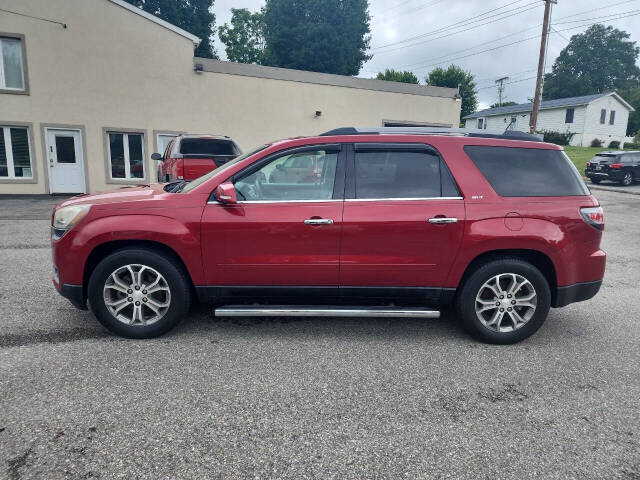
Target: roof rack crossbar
<point>469,132</point>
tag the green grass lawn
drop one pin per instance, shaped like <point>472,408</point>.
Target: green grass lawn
<point>581,155</point>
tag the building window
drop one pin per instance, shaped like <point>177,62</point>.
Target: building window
<point>11,64</point>
<point>603,116</point>
<point>15,153</point>
<point>568,118</point>
<point>126,156</point>
<point>480,124</point>
<point>612,117</point>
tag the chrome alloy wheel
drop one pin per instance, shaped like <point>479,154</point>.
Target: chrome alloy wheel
<point>506,302</point>
<point>627,179</point>
<point>137,295</point>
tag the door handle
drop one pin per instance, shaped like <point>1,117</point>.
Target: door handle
<point>318,221</point>
<point>443,220</point>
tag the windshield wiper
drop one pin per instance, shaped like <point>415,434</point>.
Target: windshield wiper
<point>175,187</point>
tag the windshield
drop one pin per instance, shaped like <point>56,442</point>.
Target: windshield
<point>200,180</point>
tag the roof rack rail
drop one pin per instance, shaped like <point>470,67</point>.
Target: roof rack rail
<point>468,132</point>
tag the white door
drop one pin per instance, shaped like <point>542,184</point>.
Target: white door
<point>66,165</point>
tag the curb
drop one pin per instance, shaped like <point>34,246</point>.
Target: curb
<point>617,190</point>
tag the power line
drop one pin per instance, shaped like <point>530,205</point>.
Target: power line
<point>630,14</point>
<point>455,33</point>
<point>595,9</point>
<point>415,8</point>
<point>395,6</point>
<point>460,23</point>
<point>555,31</point>
<point>64,25</point>
<point>509,83</point>
<point>602,18</point>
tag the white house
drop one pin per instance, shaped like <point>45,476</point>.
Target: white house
<point>603,116</point>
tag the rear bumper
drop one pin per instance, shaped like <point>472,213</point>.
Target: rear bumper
<point>74,294</point>
<point>618,175</point>
<point>578,292</point>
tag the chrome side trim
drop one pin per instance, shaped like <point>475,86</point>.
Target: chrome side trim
<point>340,200</point>
<point>324,311</point>
<point>278,201</point>
<point>399,199</point>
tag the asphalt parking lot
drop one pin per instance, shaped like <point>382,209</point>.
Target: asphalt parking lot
<point>315,398</point>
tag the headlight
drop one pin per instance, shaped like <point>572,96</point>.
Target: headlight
<point>66,218</point>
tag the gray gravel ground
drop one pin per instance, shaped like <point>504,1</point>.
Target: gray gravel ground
<point>315,398</point>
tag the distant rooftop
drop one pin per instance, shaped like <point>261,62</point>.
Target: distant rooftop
<point>287,74</point>
<point>545,104</point>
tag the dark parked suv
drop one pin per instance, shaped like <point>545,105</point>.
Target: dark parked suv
<point>391,222</point>
<point>621,167</point>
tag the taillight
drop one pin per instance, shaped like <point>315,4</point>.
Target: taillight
<point>180,169</point>
<point>615,165</point>
<point>594,216</point>
<point>588,164</point>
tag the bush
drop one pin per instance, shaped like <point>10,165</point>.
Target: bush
<point>614,144</point>
<point>631,146</point>
<point>596,142</point>
<point>558,138</point>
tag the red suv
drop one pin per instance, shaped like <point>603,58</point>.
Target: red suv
<point>380,222</point>
<point>188,157</point>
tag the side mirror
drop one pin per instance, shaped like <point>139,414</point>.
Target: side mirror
<point>226,193</point>
<point>156,156</point>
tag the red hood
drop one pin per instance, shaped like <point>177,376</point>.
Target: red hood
<point>116,196</point>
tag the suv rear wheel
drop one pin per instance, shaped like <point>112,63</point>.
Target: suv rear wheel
<point>627,179</point>
<point>139,293</point>
<point>504,301</point>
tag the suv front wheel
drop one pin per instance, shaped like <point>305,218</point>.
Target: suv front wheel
<point>504,301</point>
<point>139,293</point>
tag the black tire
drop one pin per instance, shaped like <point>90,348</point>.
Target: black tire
<point>595,181</point>
<point>174,275</point>
<point>466,300</point>
<point>627,179</point>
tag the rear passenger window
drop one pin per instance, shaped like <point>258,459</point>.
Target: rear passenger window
<point>527,172</point>
<point>401,174</point>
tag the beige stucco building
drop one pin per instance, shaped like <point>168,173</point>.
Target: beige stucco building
<point>90,88</point>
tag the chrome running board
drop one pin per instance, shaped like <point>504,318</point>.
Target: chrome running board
<point>322,311</point>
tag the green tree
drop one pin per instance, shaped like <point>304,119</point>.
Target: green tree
<point>598,60</point>
<point>330,36</point>
<point>504,104</point>
<point>452,77</point>
<point>632,96</point>
<point>244,36</point>
<point>194,16</point>
<point>392,75</point>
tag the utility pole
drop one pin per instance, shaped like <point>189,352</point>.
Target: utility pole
<point>543,49</point>
<point>500,83</point>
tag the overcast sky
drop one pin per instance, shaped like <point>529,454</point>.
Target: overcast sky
<point>397,20</point>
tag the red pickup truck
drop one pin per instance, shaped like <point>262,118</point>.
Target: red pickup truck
<point>188,157</point>
<point>374,222</point>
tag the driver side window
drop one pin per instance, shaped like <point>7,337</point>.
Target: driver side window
<point>307,175</point>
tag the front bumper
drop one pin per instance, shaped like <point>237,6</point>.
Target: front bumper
<point>578,292</point>
<point>75,294</point>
